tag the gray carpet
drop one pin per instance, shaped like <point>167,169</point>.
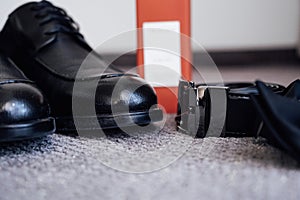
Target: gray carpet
<point>62,167</point>
<point>167,164</point>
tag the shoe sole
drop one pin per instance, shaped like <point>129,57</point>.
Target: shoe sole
<point>28,130</point>
<point>105,122</point>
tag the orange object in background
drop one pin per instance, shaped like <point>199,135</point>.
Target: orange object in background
<point>172,13</point>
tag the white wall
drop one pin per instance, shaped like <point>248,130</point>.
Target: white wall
<point>246,24</point>
<point>216,24</point>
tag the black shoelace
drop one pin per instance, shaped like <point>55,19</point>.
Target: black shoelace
<point>47,13</point>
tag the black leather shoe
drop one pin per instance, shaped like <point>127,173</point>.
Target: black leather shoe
<point>24,112</point>
<point>47,46</point>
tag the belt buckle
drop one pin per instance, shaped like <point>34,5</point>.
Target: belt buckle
<point>196,109</point>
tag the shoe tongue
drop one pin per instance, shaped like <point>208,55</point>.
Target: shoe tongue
<point>45,2</point>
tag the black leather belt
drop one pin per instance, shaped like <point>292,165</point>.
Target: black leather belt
<point>226,109</point>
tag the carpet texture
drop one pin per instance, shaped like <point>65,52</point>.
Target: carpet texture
<point>167,165</point>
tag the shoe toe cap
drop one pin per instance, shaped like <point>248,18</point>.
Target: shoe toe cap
<point>123,94</point>
<point>21,102</point>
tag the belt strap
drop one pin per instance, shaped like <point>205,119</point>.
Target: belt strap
<point>219,110</point>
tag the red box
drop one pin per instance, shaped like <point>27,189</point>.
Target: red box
<point>166,11</point>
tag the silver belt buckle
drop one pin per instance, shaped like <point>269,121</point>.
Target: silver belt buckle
<point>201,109</point>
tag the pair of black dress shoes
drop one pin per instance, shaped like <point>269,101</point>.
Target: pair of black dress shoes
<point>41,42</point>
